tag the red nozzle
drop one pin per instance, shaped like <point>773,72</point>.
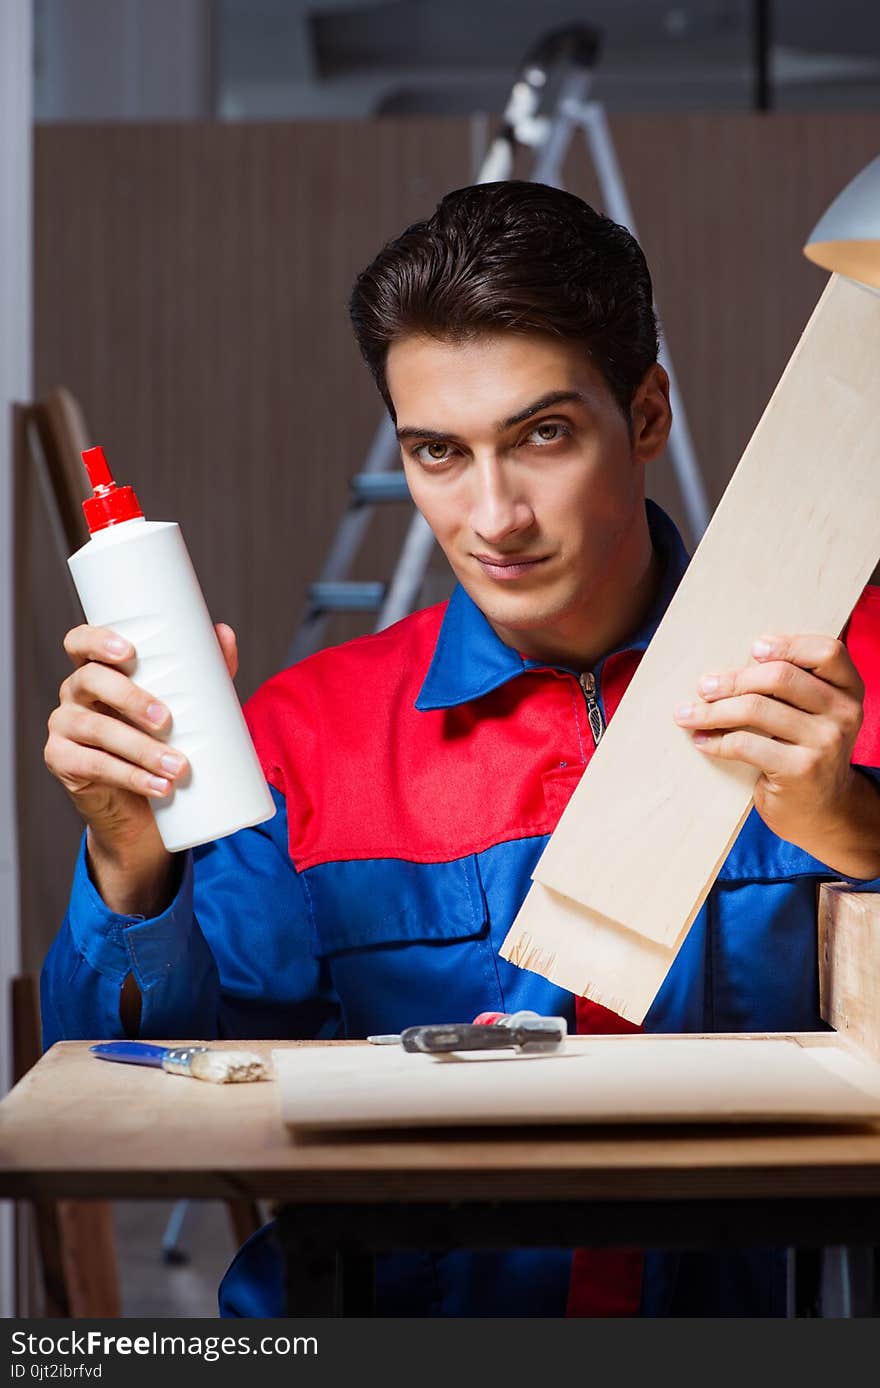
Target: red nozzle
<point>111,504</point>
<point>96,466</point>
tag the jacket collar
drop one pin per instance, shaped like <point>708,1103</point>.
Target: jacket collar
<point>470,659</point>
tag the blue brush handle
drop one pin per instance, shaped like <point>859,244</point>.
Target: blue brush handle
<point>133,1052</point>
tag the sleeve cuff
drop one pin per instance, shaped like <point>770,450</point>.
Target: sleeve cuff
<point>116,945</point>
<point>863,884</point>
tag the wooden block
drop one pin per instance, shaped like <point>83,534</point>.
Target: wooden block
<point>849,964</point>
<point>652,820</point>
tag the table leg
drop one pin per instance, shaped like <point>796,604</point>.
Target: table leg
<point>310,1267</point>
<point>355,1274</point>
<point>804,1283</point>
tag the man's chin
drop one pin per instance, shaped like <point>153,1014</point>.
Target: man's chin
<point>518,612</point>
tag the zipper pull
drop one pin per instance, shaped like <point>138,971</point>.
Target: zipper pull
<point>594,713</point>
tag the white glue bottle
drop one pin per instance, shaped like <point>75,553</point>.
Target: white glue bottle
<point>136,577</point>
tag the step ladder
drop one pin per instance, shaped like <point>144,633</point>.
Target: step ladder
<point>562,61</point>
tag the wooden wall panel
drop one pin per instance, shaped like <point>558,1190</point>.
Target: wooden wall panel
<point>190,289</point>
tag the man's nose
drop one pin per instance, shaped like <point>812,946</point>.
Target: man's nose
<point>500,509</point>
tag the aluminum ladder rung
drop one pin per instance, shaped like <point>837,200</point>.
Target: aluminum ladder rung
<point>372,487</point>
<point>346,596</point>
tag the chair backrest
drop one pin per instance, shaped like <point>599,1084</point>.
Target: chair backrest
<point>62,434</point>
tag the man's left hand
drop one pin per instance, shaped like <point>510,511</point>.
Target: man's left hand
<point>795,715</point>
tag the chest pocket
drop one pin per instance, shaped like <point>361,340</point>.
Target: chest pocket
<point>362,905</point>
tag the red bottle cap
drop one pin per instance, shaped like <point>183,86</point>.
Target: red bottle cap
<point>110,504</point>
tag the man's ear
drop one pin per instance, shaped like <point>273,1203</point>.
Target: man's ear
<point>651,415</point>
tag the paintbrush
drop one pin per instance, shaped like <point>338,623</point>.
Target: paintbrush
<point>200,1062</point>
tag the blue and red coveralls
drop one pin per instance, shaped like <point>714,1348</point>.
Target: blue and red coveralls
<point>417,775</point>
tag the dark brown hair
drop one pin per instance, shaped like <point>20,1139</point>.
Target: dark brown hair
<point>518,257</point>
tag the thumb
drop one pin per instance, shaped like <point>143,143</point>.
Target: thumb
<point>229,646</point>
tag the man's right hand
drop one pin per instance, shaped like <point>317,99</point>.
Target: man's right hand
<point>106,749</point>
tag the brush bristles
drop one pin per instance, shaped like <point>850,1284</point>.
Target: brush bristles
<point>229,1067</point>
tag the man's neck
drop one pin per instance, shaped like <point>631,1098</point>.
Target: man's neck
<point>616,613</point>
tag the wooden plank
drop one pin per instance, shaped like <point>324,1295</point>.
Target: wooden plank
<point>696,1079</point>
<point>849,964</point>
<point>562,940</point>
<point>786,550</point>
<point>651,822</point>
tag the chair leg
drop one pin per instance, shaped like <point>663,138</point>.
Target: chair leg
<point>88,1255</point>
<point>43,1230</point>
<point>172,1251</point>
<point>848,1289</point>
<point>245,1218</point>
<point>75,1238</point>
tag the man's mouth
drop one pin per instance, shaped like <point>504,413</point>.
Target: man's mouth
<point>508,566</point>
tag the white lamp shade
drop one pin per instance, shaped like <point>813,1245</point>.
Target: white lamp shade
<point>847,237</point>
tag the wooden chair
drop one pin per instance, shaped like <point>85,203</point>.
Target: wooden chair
<point>75,1239</point>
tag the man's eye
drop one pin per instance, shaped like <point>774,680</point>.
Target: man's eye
<point>548,431</point>
<point>433,452</point>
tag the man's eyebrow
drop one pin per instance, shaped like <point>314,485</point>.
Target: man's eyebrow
<point>409,431</point>
<point>555,397</point>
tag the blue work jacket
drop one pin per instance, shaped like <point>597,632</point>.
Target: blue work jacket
<point>417,774</point>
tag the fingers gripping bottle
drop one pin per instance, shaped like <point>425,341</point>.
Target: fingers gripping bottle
<point>136,577</point>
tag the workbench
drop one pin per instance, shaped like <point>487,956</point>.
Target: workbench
<point>75,1127</point>
<point>79,1128</point>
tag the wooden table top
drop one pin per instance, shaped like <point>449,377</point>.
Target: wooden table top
<point>79,1127</point>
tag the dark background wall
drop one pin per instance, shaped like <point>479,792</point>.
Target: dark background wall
<point>190,290</point>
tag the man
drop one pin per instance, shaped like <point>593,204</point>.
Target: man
<point>417,773</point>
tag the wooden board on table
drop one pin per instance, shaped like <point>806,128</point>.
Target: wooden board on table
<point>592,1079</point>
<point>652,820</point>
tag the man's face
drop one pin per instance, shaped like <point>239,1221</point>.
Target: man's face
<point>523,465</point>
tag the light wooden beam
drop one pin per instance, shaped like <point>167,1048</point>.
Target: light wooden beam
<point>790,547</point>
